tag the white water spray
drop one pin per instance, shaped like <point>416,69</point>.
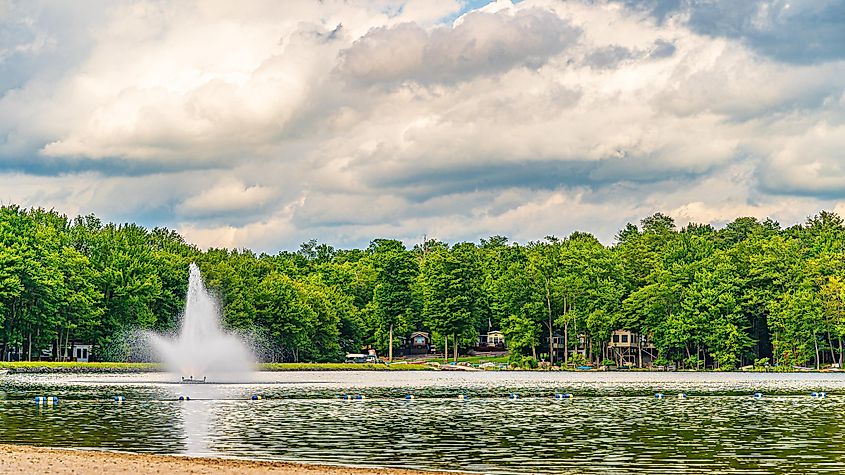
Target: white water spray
<point>202,349</point>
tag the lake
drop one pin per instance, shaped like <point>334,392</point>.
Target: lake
<point>613,423</point>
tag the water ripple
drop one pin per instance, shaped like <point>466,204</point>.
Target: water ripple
<point>613,425</point>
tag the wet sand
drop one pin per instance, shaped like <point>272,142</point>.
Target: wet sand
<point>17,459</point>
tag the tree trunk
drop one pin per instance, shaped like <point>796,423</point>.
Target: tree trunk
<point>445,349</point>
<point>577,337</point>
<point>565,333</point>
<point>455,341</point>
<point>67,344</point>
<point>29,347</point>
<point>830,342</point>
<point>816,343</point>
<point>390,349</point>
<point>639,351</point>
<point>566,342</point>
<point>840,352</point>
<point>551,326</point>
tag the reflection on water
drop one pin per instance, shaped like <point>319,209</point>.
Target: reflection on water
<point>613,424</point>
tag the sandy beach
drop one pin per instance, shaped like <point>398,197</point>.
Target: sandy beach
<point>25,459</point>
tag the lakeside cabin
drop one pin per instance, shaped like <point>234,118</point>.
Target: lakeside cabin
<point>629,348</point>
<point>492,341</point>
<point>419,343</point>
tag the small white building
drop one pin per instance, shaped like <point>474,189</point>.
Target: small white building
<point>496,338</point>
<point>492,339</point>
<point>80,352</point>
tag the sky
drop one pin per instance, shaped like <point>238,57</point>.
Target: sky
<point>263,124</point>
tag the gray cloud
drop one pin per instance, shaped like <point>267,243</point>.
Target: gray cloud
<point>795,31</point>
<point>608,57</point>
<point>662,49</point>
<point>482,43</point>
<point>264,124</point>
<point>800,31</point>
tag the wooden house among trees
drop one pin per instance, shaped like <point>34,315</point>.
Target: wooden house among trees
<point>418,343</point>
<point>576,346</point>
<point>629,348</point>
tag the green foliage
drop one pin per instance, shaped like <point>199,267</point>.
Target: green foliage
<point>112,367</point>
<point>578,359</point>
<point>662,361</point>
<point>692,362</point>
<point>522,362</point>
<point>450,283</point>
<point>725,298</point>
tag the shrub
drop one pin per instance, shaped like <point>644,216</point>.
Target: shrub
<point>577,359</point>
<point>693,362</point>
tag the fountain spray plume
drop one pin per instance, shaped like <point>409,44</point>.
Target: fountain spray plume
<point>202,349</point>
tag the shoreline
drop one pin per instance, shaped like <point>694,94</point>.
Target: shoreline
<point>51,367</point>
<point>20,459</point>
<point>47,367</point>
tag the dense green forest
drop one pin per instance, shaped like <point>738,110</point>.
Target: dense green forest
<point>721,298</point>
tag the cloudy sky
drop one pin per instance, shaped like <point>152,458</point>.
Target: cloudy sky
<point>263,124</point>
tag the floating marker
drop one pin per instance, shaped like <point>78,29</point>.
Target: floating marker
<point>184,398</point>
<point>256,397</point>
<point>514,396</point>
<point>682,395</point>
<point>46,400</point>
<point>409,396</point>
<point>119,399</point>
<point>658,396</point>
<point>563,396</point>
<point>462,397</point>
<point>758,395</point>
<point>820,395</point>
<point>360,396</point>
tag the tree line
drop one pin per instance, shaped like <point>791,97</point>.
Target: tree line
<point>722,298</point>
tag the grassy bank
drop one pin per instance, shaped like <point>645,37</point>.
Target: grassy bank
<point>72,367</point>
<point>341,367</point>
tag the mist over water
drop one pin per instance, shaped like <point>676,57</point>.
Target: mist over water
<point>202,349</point>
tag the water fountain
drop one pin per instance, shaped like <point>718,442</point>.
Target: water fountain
<point>203,351</point>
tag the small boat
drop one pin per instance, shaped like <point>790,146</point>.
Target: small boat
<point>191,380</point>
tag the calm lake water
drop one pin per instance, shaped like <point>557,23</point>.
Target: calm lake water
<point>613,424</point>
